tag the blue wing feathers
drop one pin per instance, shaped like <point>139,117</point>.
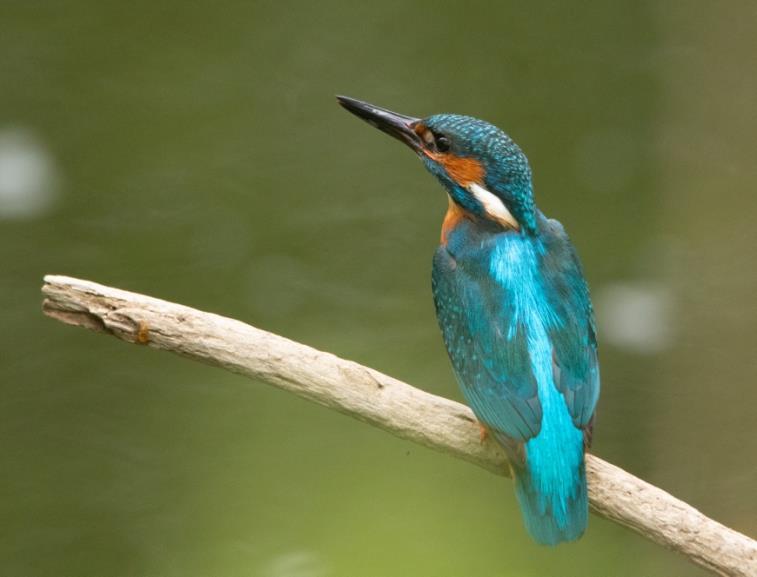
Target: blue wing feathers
<point>574,343</point>
<point>494,374</point>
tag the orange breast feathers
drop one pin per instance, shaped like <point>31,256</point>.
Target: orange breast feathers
<point>455,213</point>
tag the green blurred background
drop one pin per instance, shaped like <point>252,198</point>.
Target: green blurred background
<point>194,151</point>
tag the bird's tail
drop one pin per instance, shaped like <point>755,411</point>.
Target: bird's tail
<point>550,483</point>
<point>553,514</point>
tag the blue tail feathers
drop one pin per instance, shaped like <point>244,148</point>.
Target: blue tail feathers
<point>547,521</point>
<point>551,481</point>
<point>550,477</point>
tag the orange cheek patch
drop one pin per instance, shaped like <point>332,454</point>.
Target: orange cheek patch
<point>463,170</point>
<point>460,169</point>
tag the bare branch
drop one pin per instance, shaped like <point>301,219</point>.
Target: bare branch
<point>384,402</point>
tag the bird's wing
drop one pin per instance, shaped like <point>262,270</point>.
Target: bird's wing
<point>574,344</point>
<point>492,367</point>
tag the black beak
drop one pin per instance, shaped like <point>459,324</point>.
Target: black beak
<point>397,125</point>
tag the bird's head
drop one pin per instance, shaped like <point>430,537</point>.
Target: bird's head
<point>485,173</point>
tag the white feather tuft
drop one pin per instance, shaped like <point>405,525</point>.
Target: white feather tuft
<point>493,206</point>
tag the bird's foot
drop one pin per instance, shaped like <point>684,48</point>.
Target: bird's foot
<point>483,432</point>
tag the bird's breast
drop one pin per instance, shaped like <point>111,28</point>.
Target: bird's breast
<point>454,216</point>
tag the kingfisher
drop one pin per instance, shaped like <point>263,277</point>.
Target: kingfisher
<point>514,311</point>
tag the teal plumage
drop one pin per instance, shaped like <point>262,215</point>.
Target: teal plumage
<point>514,311</point>
<point>516,320</point>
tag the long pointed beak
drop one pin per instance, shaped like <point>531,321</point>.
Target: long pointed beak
<point>397,125</point>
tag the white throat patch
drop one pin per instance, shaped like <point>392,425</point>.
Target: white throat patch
<point>493,206</point>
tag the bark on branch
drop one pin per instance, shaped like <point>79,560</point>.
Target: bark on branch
<point>384,402</point>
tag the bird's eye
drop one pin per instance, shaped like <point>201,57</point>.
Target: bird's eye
<point>442,143</point>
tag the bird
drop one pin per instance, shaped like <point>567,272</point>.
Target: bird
<point>514,311</point>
